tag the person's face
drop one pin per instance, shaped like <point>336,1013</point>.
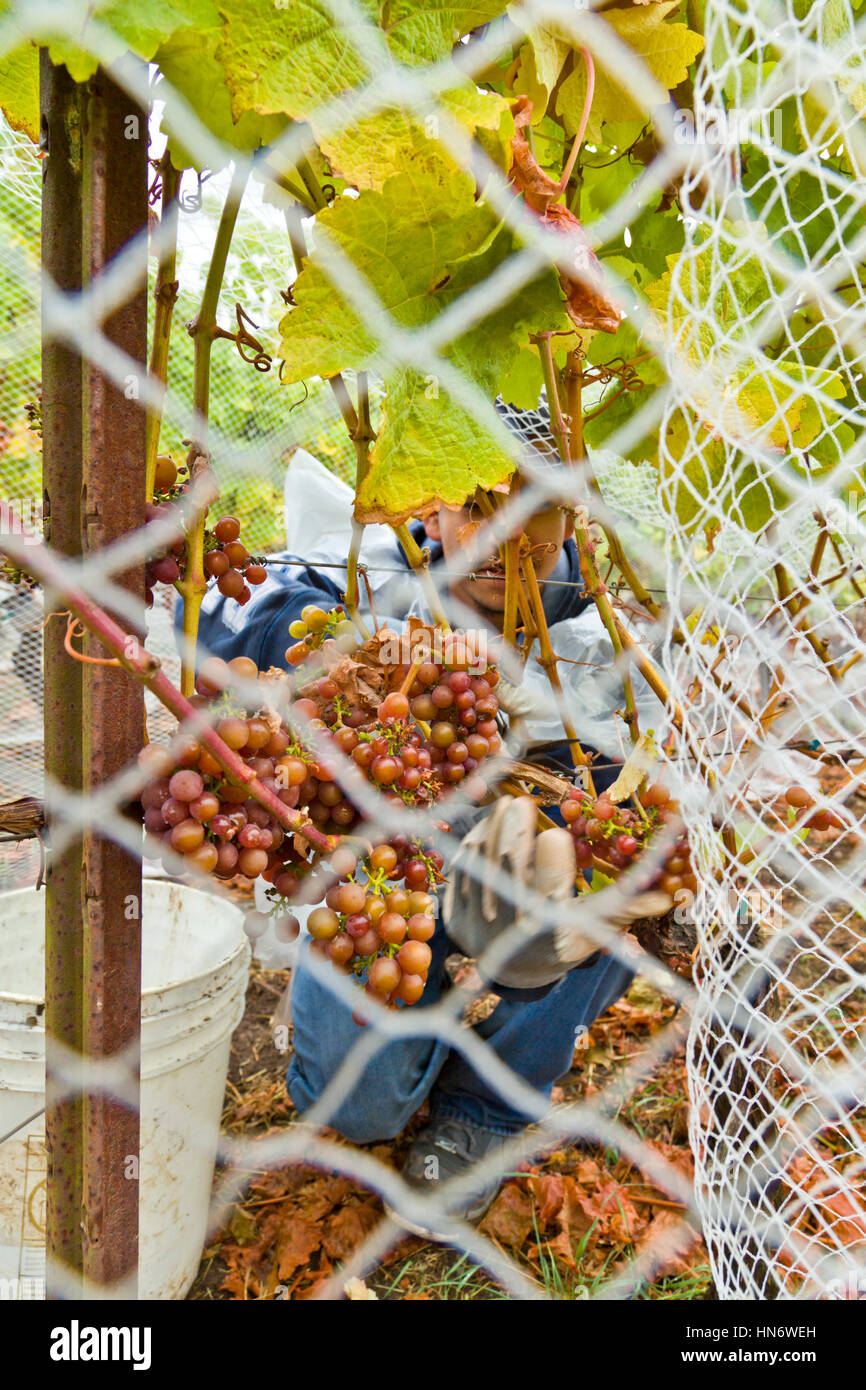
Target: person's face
<point>455,527</point>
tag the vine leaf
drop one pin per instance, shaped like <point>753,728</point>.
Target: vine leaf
<point>667,50</point>
<point>540,62</point>
<point>420,243</point>
<point>188,62</point>
<point>292,59</point>
<point>780,403</point>
<point>141,28</point>
<point>838,30</point>
<point>406,240</point>
<point>287,60</point>
<point>375,148</point>
<point>19,89</point>
<point>523,384</point>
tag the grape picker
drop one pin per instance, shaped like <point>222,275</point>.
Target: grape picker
<point>553,988</point>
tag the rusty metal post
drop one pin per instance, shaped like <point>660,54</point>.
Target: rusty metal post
<point>114,215</point>
<point>110,433</point>
<point>62,440</point>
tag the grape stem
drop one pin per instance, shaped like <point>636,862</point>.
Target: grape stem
<point>203,330</point>
<point>193,586</point>
<point>411,674</point>
<point>547,659</point>
<point>581,130</point>
<point>361,435</point>
<point>34,557</point>
<point>165,295</point>
<point>511,564</point>
<point>357,422</point>
<point>574,376</point>
<point>418,562</point>
<point>489,506</point>
<point>787,603</point>
<point>660,690</point>
<point>586,550</point>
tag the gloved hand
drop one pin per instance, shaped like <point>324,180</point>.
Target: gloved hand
<point>521,704</point>
<point>474,913</point>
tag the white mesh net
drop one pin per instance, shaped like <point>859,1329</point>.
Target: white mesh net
<point>766,293</point>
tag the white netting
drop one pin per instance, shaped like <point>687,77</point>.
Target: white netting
<point>747,516</point>
<point>773,235</point>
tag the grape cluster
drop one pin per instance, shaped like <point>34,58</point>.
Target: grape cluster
<point>314,628</point>
<point>800,800</point>
<point>377,920</point>
<point>226,559</point>
<point>168,567</point>
<point>377,893</point>
<point>424,738</point>
<point>460,711</point>
<point>613,835</point>
<point>199,812</point>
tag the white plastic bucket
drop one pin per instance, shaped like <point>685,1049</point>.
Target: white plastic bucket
<point>194,979</point>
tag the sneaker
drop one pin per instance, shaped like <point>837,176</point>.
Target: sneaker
<point>443,1152</point>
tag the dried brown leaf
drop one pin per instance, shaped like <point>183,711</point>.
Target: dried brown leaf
<point>509,1219</point>
<point>548,1189</point>
<point>587,301</point>
<point>297,1239</point>
<point>577,1223</point>
<point>345,1231</point>
<point>675,1245</point>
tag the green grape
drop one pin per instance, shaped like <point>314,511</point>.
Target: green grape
<point>315,618</point>
<point>298,629</point>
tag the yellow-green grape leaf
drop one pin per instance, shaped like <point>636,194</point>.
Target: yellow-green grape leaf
<point>406,240</point>
<point>691,473</point>
<point>428,451</point>
<point>291,56</point>
<point>188,63</point>
<point>779,401</point>
<point>540,62</point>
<point>667,50</point>
<point>370,151</point>
<point>706,483</point>
<point>421,32</point>
<point>19,89</point>
<point>707,299</point>
<point>141,28</point>
<point>421,243</point>
<point>523,383</point>
<point>837,28</point>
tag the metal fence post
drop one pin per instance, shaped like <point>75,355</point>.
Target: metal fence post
<point>95,203</point>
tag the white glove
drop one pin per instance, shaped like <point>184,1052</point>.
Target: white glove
<point>474,913</point>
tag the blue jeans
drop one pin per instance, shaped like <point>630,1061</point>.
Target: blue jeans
<point>534,1036</point>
